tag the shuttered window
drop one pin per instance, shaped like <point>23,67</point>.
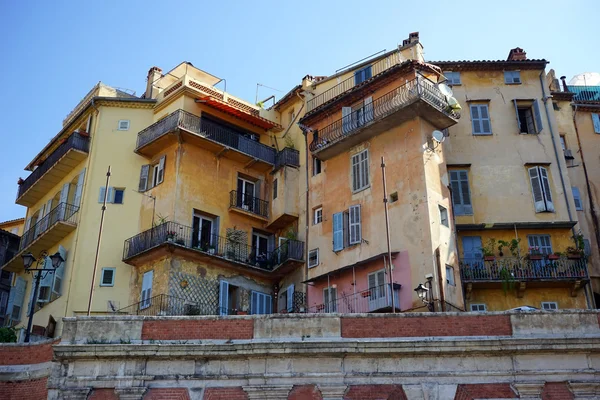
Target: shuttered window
<point>540,188</point>
<point>16,299</point>
<point>577,198</point>
<point>313,258</point>
<point>108,277</point>
<point>453,77</point>
<point>596,121</point>
<point>354,225</point>
<point>478,307</point>
<point>539,243</point>
<point>330,299</point>
<point>261,303</point>
<point>461,196</point>
<point>143,186</point>
<point>362,75</point>
<point>480,119</point>
<point>512,77</point>
<point>59,273</point>
<point>338,231</point>
<point>360,171</point>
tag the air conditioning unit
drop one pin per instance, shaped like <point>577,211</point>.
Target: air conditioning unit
<point>568,154</point>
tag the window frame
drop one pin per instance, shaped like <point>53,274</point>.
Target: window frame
<point>360,75</point>
<point>317,166</point>
<point>511,74</point>
<point>114,195</point>
<point>575,189</point>
<point>477,306</point>
<point>444,216</point>
<point>128,122</point>
<point>452,281</point>
<point>452,82</point>
<point>354,220</point>
<point>329,290</point>
<point>549,249</point>
<point>275,188</point>
<point>457,187</point>
<point>546,204</point>
<point>549,303</point>
<point>360,165</point>
<point>317,215</point>
<point>112,283</point>
<point>480,119</point>
<point>313,251</point>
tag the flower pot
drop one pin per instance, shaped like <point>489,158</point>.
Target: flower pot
<point>211,251</point>
<point>574,256</point>
<point>536,256</point>
<point>553,257</point>
<point>489,258</point>
<point>169,239</point>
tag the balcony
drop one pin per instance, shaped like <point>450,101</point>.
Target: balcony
<point>418,97</point>
<point>248,205</point>
<point>287,157</point>
<point>203,133</point>
<point>377,299</point>
<point>54,168</point>
<point>46,232</point>
<point>213,249</point>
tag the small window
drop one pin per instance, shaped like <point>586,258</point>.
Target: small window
<point>577,198</point>
<point>480,119</point>
<point>362,75</point>
<point>313,258</point>
<point>118,195</point>
<point>318,216</point>
<point>596,122</point>
<point>108,277</point>
<point>394,197</point>
<point>316,166</point>
<point>512,77</point>
<point>563,143</point>
<point>14,231</point>
<point>450,275</point>
<point>549,305</point>
<point>478,307</point>
<point>360,171</point>
<point>114,195</point>
<point>354,225</point>
<point>443,215</point>
<point>274,189</point>
<point>453,77</point>
<point>124,125</point>
<point>529,118</point>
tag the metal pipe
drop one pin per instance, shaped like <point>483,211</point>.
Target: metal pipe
<point>98,244</point>
<point>387,233</point>
<point>32,307</point>
<point>440,280</point>
<point>307,212</point>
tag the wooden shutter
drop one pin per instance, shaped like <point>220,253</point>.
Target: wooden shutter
<point>517,115</point>
<point>596,121</point>
<point>224,298</point>
<point>476,120</point>
<point>546,188</point>
<point>538,116</point>
<point>39,225</point>
<point>372,281</point>
<point>79,188</point>
<point>472,248</point>
<point>16,299</point>
<point>59,273</point>
<point>346,119</point>
<point>268,304</point>
<point>577,198</point>
<point>161,170</point>
<point>290,298</point>
<point>143,185</point>
<point>64,196</point>
<point>46,283</point>
<point>338,231</point>
<point>355,225</point>
<point>536,189</point>
<point>368,113</point>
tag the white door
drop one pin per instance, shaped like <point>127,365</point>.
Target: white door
<point>378,296</point>
<point>246,194</point>
<point>146,290</point>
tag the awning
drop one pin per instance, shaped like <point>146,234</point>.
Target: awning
<point>227,108</point>
<point>355,265</point>
<point>518,225</point>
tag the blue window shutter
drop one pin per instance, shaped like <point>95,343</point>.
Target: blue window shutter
<point>517,115</point>
<point>538,116</point>
<point>79,189</point>
<point>456,198</point>
<point>472,248</point>
<point>102,194</point>
<point>368,72</point>
<point>577,198</point>
<point>16,298</point>
<point>596,120</point>
<point>338,231</point>
<point>224,298</point>
<point>290,298</point>
<point>59,274</point>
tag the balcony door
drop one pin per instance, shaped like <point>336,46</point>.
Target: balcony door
<point>245,194</point>
<point>472,252</point>
<point>205,232</point>
<point>378,296</point>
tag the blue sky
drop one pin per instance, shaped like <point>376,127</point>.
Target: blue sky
<point>53,52</point>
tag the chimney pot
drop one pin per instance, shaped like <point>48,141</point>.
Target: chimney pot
<point>564,83</point>
<point>517,54</point>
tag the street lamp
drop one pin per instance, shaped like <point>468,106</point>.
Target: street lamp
<point>424,293</point>
<point>28,260</point>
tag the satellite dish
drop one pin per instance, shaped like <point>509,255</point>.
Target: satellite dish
<point>438,136</point>
<point>445,89</point>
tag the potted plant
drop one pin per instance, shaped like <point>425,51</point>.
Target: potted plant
<point>211,249</point>
<point>535,253</point>
<point>508,279</point>
<point>171,235</point>
<point>574,253</point>
<point>512,245</point>
<point>555,256</point>
<point>488,250</point>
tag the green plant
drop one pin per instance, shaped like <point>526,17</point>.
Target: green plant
<point>8,335</point>
<point>512,245</point>
<point>289,142</point>
<point>291,235</point>
<point>579,241</point>
<point>488,250</point>
<point>508,280</point>
<point>161,219</point>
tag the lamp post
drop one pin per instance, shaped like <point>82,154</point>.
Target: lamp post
<point>28,260</point>
<point>424,293</point>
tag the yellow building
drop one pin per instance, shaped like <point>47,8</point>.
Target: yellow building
<point>63,195</point>
<point>14,226</point>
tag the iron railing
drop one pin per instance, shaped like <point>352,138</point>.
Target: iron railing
<point>208,129</point>
<point>375,299</point>
<point>249,203</point>
<point>63,212</point>
<point>218,246</point>
<point>418,88</point>
<point>349,83</point>
<point>73,142</point>
<point>288,156</point>
<point>521,269</point>
<point>585,93</point>
<point>165,305</point>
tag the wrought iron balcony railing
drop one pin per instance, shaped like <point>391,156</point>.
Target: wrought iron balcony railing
<point>289,157</point>
<point>75,142</point>
<point>249,203</point>
<point>517,269</point>
<point>585,93</point>
<point>63,212</point>
<point>378,298</point>
<point>208,129</point>
<point>418,88</point>
<point>165,305</point>
<point>214,245</point>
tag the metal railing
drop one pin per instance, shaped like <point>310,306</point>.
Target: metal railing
<point>418,88</point>
<point>63,212</point>
<point>75,142</point>
<point>375,299</point>
<point>166,305</point>
<point>249,203</point>
<point>218,246</point>
<point>349,83</point>
<point>585,93</point>
<point>209,130</point>
<point>289,157</point>
<point>521,269</point>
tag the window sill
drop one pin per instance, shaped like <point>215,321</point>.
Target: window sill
<point>513,83</point>
<point>483,134</point>
<point>361,189</point>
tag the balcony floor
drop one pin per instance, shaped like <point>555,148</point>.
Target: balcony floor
<point>247,213</point>
<point>282,221</point>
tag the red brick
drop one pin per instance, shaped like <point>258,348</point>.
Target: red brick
<point>557,391</point>
<point>167,394</point>
<point>198,329</point>
<point>305,392</point>
<point>233,393</point>
<point>375,392</point>
<point>20,354</point>
<point>103,394</point>
<point>34,389</point>
<point>374,327</point>
<point>485,391</point>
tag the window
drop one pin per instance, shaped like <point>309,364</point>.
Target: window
<point>362,75</point>
<point>261,303</point>
<point>587,249</point>
<point>118,196</point>
<point>596,121</point>
<point>313,258</point>
<point>354,224</point>
<point>152,175</point>
<point>512,77</point>
<point>329,299</point>
<point>360,171</point>
<point>529,119</point>
<point>14,230</point>
<point>443,215</point>
<point>316,166</point>
<point>461,196</point>
<point>478,307</point>
<point>450,275</point>
<point>347,228</point>
<point>480,119</point>
<point>146,290</point>
<point>124,125</point>
<point>108,277</point>
<point>540,187</point>
<point>274,189</point>
<point>318,216</point>
<point>16,298</point>
<point>563,143</point>
<point>549,305</point>
<point>453,77</point>
<point>291,115</point>
<point>115,195</point>
<point>394,197</point>
<point>577,198</point>
<point>338,231</point>
<point>539,244</point>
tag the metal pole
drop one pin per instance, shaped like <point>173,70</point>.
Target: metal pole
<point>98,245</point>
<point>32,307</point>
<point>387,234</point>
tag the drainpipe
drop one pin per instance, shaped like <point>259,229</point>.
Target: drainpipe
<point>307,212</point>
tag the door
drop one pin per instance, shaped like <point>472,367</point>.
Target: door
<point>146,290</point>
<point>245,191</point>
<point>539,244</point>
<point>378,297</point>
<point>346,120</point>
<point>472,253</point>
<point>260,245</point>
<point>261,303</point>
<point>290,298</point>
<point>223,298</point>
<point>282,254</point>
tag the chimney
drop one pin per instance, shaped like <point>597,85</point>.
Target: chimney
<point>563,79</point>
<point>154,74</point>
<point>517,54</point>
<point>412,37</point>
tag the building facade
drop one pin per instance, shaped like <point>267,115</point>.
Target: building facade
<point>9,244</point>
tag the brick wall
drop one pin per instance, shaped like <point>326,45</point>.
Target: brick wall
<point>34,389</point>
<point>484,325</point>
<point>556,391</point>
<point>198,329</point>
<point>234,393</point>
<point>21,354</point>
<point>485,391</point>
<point>103,394</point>
<point>375,392</point>
<point>167,394</point>
<point>305,392</point>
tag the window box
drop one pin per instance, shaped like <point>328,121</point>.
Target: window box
<point>536,256</point>
<point>553,257</point>
<point>574,256</point>
<point>489,258</point>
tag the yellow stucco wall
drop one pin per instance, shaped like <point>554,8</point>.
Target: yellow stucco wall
<point>498,300</point>
<point>14,226</point>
